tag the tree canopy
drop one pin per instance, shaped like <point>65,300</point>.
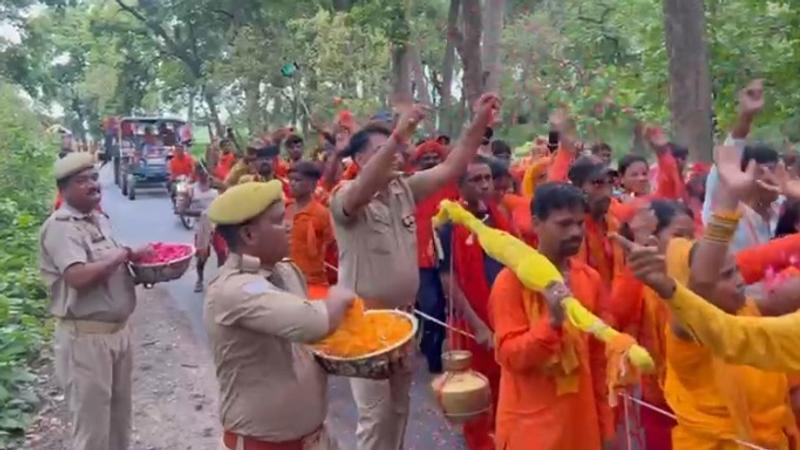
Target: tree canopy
<point>220,61</point>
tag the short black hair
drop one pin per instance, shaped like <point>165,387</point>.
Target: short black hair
<point>553,196</point>
<point>788,219</point>
<point>230,234</point>
<point>628,160</point>
<point>269,151</point>
<point>597,147</point>
<point>358,142</point>
<point>666,210</point>
<point>761,153</point>
<point>678,151</point>
<point>585,169</point>
<point>500,146</point>
<point>293,139</point>
<point>308,169</point>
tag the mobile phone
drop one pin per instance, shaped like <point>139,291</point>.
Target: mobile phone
<point>552,141</point>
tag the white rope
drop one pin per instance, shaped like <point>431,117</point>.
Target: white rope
<point>439,322</point>
<point>674,417</point>
<point>625,402</point>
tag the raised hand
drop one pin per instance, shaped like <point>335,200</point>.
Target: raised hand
<point>735,182</point>
<point>782,182</point>
<point>648,265</point>
<point>410,118</point>
<point>751,98</point>
<point>486,109</point>
<point>643,224</point>
<point>655,137</point>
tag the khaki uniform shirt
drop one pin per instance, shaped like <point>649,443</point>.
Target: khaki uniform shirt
<point>378,246</point>
<point>257,322</point>
<point>70,237</point>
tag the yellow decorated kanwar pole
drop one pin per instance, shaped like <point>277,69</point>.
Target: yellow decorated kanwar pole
<point>536,272</point>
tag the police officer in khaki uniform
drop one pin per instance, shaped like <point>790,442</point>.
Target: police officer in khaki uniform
<point>273,394</point>
<point>93,295</point>
<point>376,234</point>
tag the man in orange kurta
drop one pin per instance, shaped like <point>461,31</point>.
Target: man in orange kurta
<point>597,250</point>
<point>552,387</point>
<point>311,229</point>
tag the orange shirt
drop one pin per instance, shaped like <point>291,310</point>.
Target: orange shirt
<point>560,168</point>
<point>224,165</point>
<point>181,165</point>
<point>281,168</point>
<point>531,415</point>
<point>310,235</point>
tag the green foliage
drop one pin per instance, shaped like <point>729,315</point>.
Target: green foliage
<point>25,191</point>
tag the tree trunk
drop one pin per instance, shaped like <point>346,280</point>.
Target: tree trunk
<point>495,12</point>
<point>252,97</point>
<point>213,111</point>
<point>448,65</point>
<point>421,83</point>
<point>401,73</point>
<point>469,48</point>
<point>638,141</point>
<point>689,79</point>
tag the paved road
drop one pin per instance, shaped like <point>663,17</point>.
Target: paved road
<point>149,218</point>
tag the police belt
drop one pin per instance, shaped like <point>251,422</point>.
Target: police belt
<point>231,440</point>
<point>91,326</point>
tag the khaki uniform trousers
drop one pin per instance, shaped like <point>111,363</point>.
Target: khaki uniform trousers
<point>321,440</point>
<point>383,407</point>
<point>93,365</point>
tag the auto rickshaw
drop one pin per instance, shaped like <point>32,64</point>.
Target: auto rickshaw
<point>145,146</point>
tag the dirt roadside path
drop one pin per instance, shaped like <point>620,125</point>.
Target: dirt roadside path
<point>174,387</point>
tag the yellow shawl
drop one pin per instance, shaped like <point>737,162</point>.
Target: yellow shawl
<point>766,425</point>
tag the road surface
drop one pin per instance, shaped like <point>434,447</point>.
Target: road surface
<point>149,218</point>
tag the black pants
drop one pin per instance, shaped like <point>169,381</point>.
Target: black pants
<point>431,301</point>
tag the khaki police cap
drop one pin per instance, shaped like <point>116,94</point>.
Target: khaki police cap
<point>71,164</point>
<point>244,202</point>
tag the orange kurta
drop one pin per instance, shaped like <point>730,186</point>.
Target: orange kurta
<point>310,236</point>
<point>181,165</point>
<point>531,414</point>
<point>560,168</point>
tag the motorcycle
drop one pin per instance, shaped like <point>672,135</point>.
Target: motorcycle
<point>181,201</point>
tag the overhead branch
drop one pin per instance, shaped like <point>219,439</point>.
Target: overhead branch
<point>173,47</point>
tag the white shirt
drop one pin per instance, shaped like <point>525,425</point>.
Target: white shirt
<point>201,199</point>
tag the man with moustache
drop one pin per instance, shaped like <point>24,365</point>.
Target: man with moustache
<point>467,275</point>
<point>552,385</point>
<point>93,296</point>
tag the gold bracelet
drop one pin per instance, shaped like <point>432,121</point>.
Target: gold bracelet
<point>718,231</point>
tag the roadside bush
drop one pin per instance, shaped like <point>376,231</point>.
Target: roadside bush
<point>25,195</point>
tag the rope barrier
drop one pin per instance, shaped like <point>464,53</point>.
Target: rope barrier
<point>627,398</point>
<point>423,315</point>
